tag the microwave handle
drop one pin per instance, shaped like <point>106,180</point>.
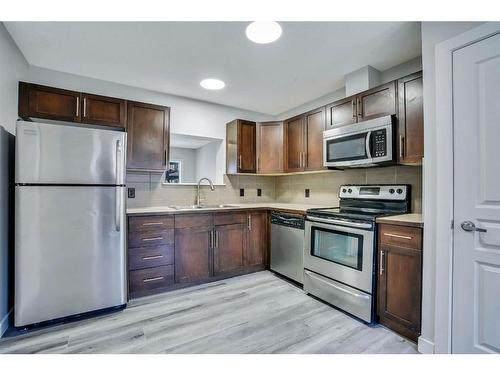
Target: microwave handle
<point>368,144</point>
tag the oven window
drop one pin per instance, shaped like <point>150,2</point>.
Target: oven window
<point>352,147</point>
<point>337,247</point>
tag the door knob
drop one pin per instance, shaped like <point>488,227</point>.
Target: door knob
<point>469,226</point>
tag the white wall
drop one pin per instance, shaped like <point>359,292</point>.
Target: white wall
<point>206,166</point>
<point>188,158</point>
<point>13,67</point>
<point>390,74</point>
<point>432,33</point>
<point>187,116</point>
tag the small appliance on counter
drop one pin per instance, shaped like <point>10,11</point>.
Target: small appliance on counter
<point>70,240</point>
<point>369,143</point>
<point>340,246</point>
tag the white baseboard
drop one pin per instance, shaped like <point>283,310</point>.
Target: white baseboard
<point>4,323</point>
<point>425,346</point>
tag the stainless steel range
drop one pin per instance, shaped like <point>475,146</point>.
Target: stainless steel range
<point>339,249</point>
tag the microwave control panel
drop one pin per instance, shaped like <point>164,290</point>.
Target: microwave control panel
<point>379,143</point>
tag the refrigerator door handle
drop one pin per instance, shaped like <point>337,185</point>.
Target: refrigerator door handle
<point>118,206</point>
<point>118,162</point>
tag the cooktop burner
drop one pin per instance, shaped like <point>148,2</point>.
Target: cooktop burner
<point>367,202</point>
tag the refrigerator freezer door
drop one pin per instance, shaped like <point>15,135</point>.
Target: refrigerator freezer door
<point>63,154</point>
<point>70,251</point>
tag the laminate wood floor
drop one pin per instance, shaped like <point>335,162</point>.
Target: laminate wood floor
<point>255,313</point>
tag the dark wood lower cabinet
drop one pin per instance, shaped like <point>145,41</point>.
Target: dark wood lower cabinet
<point>195,248</point>
<point>229,247</point>
<point>400,280</point>
<point>256,249</point>
<point>193,254</point>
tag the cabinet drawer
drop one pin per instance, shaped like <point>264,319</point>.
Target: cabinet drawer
<point>398,235</point>
<point>154,256</point>
<point>225,218</point>
<point>151,278</point>
<point>151,238</point>
<point>150,223</point>
<point>193,220</point>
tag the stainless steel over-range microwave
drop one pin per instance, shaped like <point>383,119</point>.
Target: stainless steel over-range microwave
<point>364,144</point>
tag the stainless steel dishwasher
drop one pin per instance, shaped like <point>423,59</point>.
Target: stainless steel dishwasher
<point>287,245</point>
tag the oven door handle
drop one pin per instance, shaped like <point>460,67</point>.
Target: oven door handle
<point>340,222</point>
<point>357,295</point>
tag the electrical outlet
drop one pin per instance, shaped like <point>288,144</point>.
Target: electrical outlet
<point>307,193</point>
<point>242,192</point>
<point>259,192</point>
<point>131,192</point>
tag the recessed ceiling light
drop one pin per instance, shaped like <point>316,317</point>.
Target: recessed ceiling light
<point>263,32</point>
<point>212,84</point>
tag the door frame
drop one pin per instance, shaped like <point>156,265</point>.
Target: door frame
<point>443,160</point>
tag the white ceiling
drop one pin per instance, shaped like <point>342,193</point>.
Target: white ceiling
<point>308,61</point>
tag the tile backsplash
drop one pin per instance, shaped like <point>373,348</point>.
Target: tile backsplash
<point>323,187</point>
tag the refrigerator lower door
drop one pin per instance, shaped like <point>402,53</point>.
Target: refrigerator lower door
<point>63,154</point>
<point>70,251</point>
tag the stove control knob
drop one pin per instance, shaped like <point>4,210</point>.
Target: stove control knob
<point>400,191</point>
<point>344,190</point>
<point>349,190</point>
<point>391,190</point>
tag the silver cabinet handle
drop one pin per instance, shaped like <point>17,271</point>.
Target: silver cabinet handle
<point>153,279</point>
<point>398,236</point>
<point>249,222</point>
<point>360,108</point>
<point>211,239</point>
<point>84,107</point>
<point>77,106</point>
<point>382,255</point>
<point>469,226</point>
<point>216,234</point>
<point>152,257</point>
<point>152,239</point>
<point>239,161</point>
<point>151,224</point>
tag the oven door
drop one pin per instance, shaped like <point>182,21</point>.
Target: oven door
<point>342,253</point>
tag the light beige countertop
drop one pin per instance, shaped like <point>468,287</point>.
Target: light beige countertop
<point>411,220</point>
<point>156,210</point>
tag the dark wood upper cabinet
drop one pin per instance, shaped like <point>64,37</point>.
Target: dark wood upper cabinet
<point>49,103</point>
<point>256,249</point>
<point>269,147</point>
<point>103,110</point>
<point>193,254</point>
<point>240,147</point>
<point>229,246</point>
<point>148,131</point>
<point>342,112</point>
<point>411,119</point>
<point>377,102</point>
<point>294,144</point>
<point>314,127</point>
<point>400,279</point>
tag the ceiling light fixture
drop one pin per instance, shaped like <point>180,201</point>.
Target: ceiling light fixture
<point>263,32</point>
<point>212,84</point>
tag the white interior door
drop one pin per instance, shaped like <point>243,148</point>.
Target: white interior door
<point>476,254</point>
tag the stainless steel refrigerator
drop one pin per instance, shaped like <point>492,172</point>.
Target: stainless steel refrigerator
<point>70,241</point>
